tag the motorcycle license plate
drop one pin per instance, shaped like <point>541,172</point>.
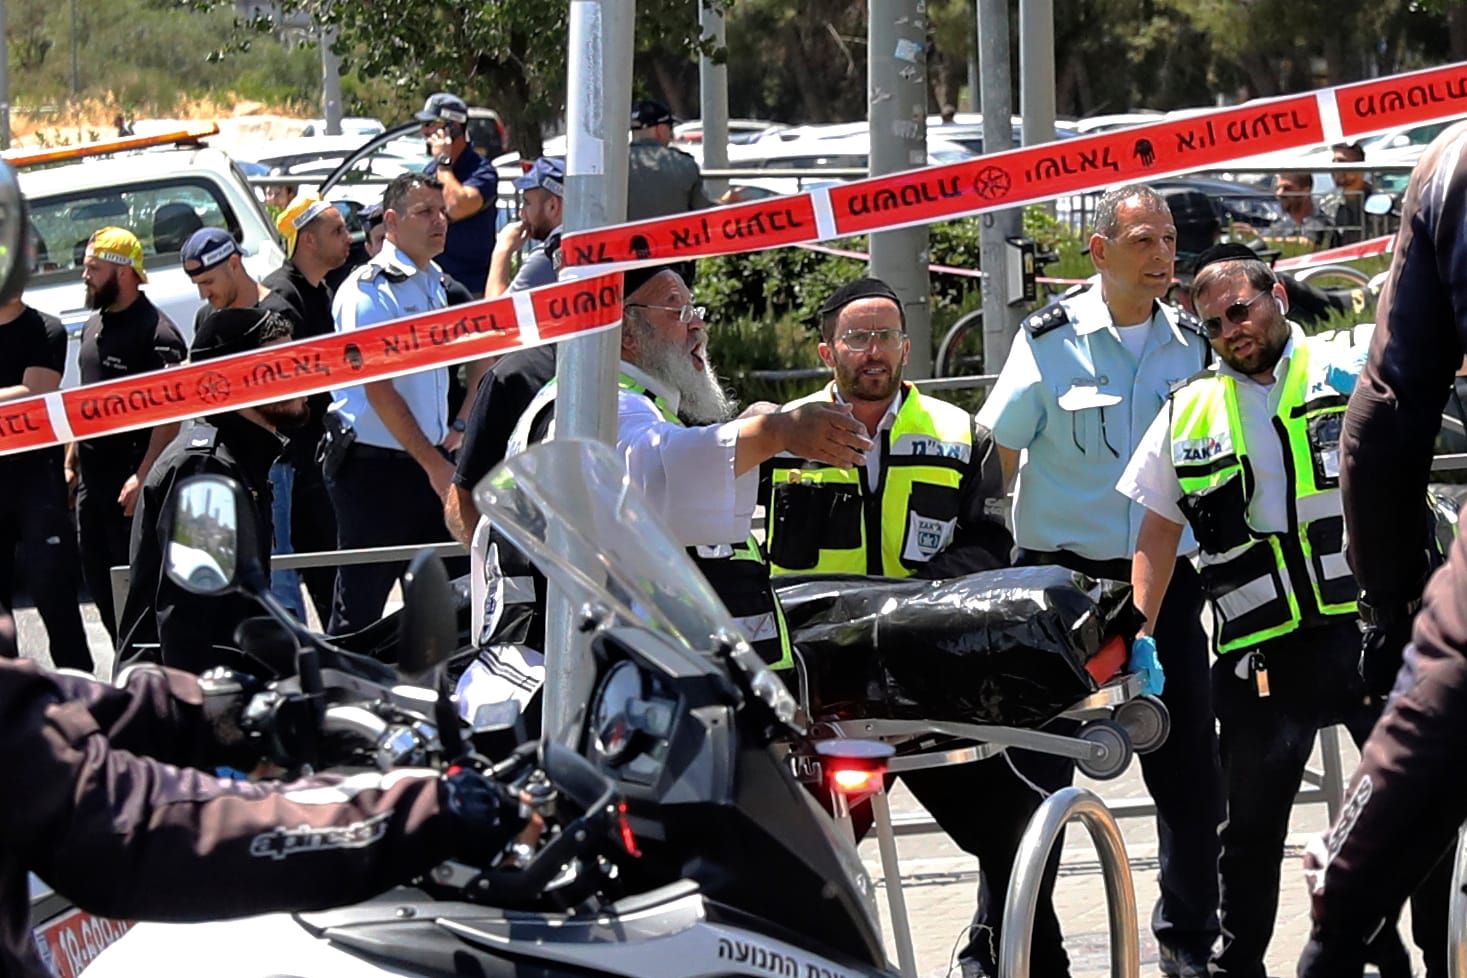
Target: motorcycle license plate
<point>73,940</point>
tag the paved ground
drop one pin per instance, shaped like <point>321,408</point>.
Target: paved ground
<point>940,881</point>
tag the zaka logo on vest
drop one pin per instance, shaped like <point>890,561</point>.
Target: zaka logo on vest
<point>927,445</point>
<point>1200,449</point>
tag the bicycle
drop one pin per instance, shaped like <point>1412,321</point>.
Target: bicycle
<point>960,354</point>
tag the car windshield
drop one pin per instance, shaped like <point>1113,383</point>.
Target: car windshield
<point>162,214</point>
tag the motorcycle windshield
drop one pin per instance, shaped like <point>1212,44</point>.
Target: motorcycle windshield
<point>569,505</point>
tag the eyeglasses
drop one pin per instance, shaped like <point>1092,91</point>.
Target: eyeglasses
<point>1237,314</point>
<point>686,313</point>
<point>860,340</point>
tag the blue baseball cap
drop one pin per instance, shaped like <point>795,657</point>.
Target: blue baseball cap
<point>207,249</point>
<point>546,173</point>
<point>444,106</point>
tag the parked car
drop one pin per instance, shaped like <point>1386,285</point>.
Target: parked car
<point>1203,208</point>
<point>162,196</point>
<point>690,133</point>
<point>352,125</point>
<point>819,152</point>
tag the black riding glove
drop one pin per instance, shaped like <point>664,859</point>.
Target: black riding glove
<point>488,815</point>
<point>1386,631</point>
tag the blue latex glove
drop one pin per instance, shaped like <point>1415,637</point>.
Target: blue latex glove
<point>1145,664</point>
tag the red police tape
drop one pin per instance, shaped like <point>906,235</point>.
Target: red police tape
<point>403,346</point>
<point>556,312</point>
<point>1383,245</point>
<point>1023,176</point>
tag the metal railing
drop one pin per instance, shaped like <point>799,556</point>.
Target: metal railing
<point>1022,903</point>
<point>1457,915</point>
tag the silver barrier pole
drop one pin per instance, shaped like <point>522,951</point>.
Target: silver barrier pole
<point>1457,916</point>
<point>1058,810</point>
<point>901,926</point>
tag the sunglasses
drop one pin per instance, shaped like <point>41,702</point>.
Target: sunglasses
<point>1237,314</point>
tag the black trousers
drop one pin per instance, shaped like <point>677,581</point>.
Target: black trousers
<point>984,807</point>
<point>35,524</point>
<point>1183,776</point>
<point>1396,834</point>
<point>1313,683</point>
<point>382,499</point>
<point>105,533</point>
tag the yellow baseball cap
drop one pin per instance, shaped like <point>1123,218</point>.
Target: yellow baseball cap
<point>119,246</point>
<point>302,211</point>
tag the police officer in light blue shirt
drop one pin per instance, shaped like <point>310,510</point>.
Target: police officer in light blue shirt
<point>388,485</point>
<point>1083,381</point>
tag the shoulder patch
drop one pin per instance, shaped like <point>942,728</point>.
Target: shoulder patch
<point>203,437</point>
<point>1191,323</point>
<point>1050,318</point>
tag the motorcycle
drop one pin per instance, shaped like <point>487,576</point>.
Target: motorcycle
<point>677,841</point>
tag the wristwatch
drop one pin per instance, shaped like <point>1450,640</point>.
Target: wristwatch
<point>445,159</point>
<point>459,425</point>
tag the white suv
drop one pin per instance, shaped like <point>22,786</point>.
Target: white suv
<point>162,196</point>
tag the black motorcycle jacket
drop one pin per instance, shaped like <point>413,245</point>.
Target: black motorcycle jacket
<point>100,806</point>
<point>1395,413</point>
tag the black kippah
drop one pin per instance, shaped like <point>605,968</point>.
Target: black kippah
<point>1227,251</point>
<point>636,278</point>
<point>861,288</point>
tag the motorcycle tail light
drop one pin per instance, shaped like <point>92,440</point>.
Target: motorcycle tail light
<point>628,838</point>
<point>854,767</point>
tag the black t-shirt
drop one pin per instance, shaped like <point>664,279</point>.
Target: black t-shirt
<point>505,392</point>
<point>32,339</point>
<point>135,340</point>
<point>307,306</point>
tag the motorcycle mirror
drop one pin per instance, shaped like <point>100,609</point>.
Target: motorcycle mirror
<point>428,628</point>
<point>210,537</point>
<point>16,236</point>
<point>1379,204</point>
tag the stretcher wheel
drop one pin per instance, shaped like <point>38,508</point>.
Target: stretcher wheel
<point>1114,749</point>
<point>1146,721</point>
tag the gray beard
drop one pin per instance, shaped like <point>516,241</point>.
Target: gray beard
<point>702,398</point>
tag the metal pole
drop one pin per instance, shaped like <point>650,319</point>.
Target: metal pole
<point>974,105</point>
<point>4,81</point>
<point>1040,838</point>
<point>1036,70</point>
<point>598,118</point>
<point>897,93</point>
<point>330,81</point>
<point>1457,918</point>
<point>1000,320</point>
<point>713,100</point>
<point>75,59</point>
<point>901,926</point>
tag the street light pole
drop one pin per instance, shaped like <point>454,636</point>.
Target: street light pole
<point>75,60</point>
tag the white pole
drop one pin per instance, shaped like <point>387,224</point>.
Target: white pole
<point>713,100</point>
<point>598,117</point>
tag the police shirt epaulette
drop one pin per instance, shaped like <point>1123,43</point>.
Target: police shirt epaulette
<point>1190,322</point>
<point>370,271</point>
<point>203,436</point>
<point>1051,317</point>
